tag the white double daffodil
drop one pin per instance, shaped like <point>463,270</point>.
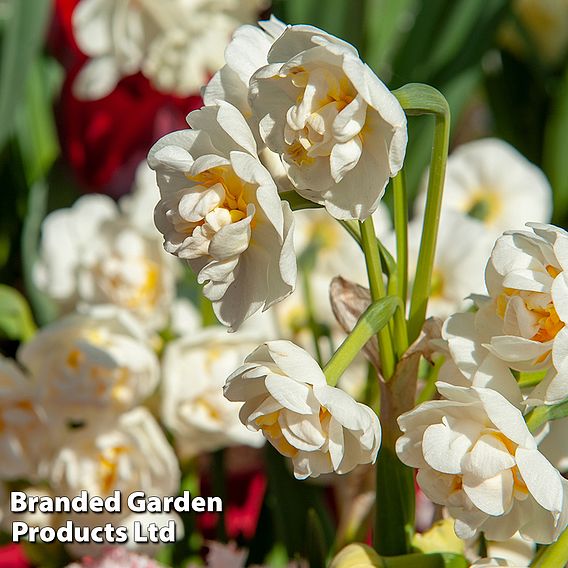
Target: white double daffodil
<point>522,322</point>
<point>286,397</point>
<point>131,454</point>
<point>86,367</point>
<point>340,132</point>
<point>220,211</point>
<point>96,252</point>
<point>475,455</point>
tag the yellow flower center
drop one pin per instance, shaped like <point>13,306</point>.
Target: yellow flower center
<point>132,295</point>
<point>271,429</point>
<point>485,205</point>
<point>547,319</point>
<point>235,189</point>
<point>519,486</point>
<point>333,93</point>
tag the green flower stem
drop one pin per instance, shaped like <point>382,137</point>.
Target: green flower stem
<point>542,414</point>
<point>374,319</point>
<point>555,555</point>
<point>388,263</point>
<point>417,99</point>
<point>377,286</point>
<point>401,230</point>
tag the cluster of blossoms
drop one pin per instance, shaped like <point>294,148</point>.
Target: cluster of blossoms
<point>176,45</point>
<point>473,449</point>
<point>296,110</point>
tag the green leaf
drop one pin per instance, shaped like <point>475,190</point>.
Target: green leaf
<point>35,126</point>
<point>554,555</point>
<point>373,319</point>
<point>23,36</point>
<point>384,20</point>
<point>44,309</point>
<point>394,523</point>
<point>16,321</point>
<point>555,144</point>
<point>435,560</point>
<point>316,546</point>
<point>417,99</point>
<point>290,500</point>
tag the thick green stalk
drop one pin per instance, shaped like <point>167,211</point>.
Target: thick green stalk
<point>375,318</point>
<point>388,263</point>
<point>377,286</point>
<point>401,230</point>
<point>417,99</point>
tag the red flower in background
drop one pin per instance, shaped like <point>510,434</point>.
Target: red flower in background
<point>12,556</point>
<point>243,503</point>
<point>103,141</point>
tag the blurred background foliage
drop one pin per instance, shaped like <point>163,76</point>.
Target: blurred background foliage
<point>485,57</point>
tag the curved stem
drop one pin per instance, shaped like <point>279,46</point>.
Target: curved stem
<point>419,99</point>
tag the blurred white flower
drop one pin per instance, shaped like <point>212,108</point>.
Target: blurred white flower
<point>22,424</point>
<point>522,321</point>
<point>286,396</point>
<point>492,182</point>
<point>94,253</point>
<point>176,44</point>
<point>89,367</point>
<point>340,133</point>
<point>476,456</point>
<point>33,519</point>
<point>462,250</point>
<point>221,212</point>
<point>193,405</point>
<point>134,455</point>
<point>131,455</point>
